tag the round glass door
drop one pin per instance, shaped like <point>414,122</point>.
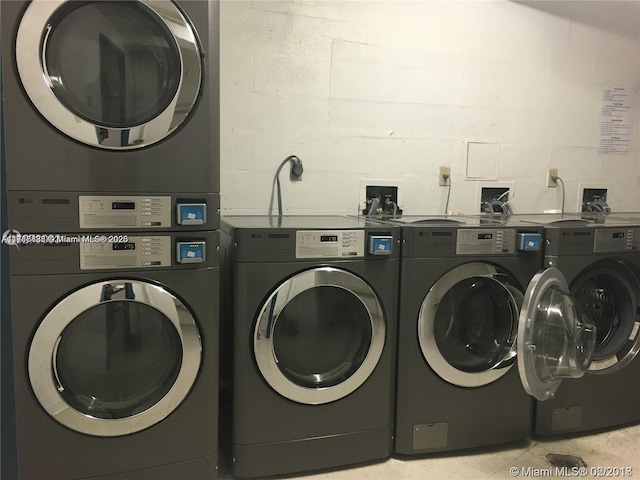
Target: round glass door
<point>467,324</point>
<point>608,292</point>
<point>115,75</point>
<point>114,357</point>
<point>319,335</point>
<point>556,339</point>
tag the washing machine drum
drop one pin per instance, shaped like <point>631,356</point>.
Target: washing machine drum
<point>114,75</point>
<point>468,324</point>
<point>319,336</point>
<point>608,292</point>
<point>114,357</point>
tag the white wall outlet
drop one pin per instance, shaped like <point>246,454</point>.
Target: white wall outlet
<point>443,179</point>
<point>551,173</point>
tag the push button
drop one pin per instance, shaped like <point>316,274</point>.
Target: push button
<point>192,213</point>
<point>191,252</point>
<point>380,244</point>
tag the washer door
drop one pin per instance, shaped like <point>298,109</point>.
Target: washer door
<point>115,75</point>
<point>114,357</point>
<point>467,324</point>
<point>319,335</point>
<point>609,294</point>
<point>555,338</point>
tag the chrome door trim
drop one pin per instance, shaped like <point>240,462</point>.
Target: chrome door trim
<point>426,322</point>
<point>41,367</point>
<point>30,53</point>
<point>541,389</point>
<point>268,316</point>
<point>629,275</point>
<point>535,339</point>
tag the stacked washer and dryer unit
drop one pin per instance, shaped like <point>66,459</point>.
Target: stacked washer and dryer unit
<point>111,129</point>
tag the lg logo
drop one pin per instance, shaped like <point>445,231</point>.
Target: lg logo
<point>25,200</point>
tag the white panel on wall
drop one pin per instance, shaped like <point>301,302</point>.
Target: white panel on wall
<point>482,161</point>
<point>392,90</point>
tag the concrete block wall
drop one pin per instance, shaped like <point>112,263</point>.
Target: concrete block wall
<point>385,92</point>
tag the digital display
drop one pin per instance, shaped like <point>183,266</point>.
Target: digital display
<point>123,205</point>
<point>485,236</point>
<point>328,238</point>
<point>123,246</point>
<point>617,235</point>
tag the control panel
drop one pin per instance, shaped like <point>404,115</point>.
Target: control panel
<point>124,251</point>
<point>330,243</point>
<point>137,211</point>
<point>616,239</point>
<point>124,212</point>
<point>99,252</point>
<point>476,241</point>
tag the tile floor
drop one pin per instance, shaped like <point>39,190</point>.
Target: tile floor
<point>618,449</point>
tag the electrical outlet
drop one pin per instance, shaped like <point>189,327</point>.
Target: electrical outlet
<point>295,172</point>
<point>552,172</point>
<point>443,179</point>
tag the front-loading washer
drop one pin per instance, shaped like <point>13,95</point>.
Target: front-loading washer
<point>310,328</point>
<point>114,104</point>
<point>461,287</point>
<point>600,259</point>
<point>115,346</point>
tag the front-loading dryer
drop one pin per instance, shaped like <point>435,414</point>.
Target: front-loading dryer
<point>481,330</point>
<point>114,102</point>
<point>115,346</point>
<point>310,330</point>
<point>600,259</point>
<point>461,288</point>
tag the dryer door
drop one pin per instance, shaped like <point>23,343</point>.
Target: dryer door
<point>609,293</point>
<point>114,357</point>
<point>467,324</point>
<point>319,335</point>
<point>115,75</point>
<point>555,338</point>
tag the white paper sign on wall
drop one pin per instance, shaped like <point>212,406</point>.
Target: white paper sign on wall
<point>615,120</point>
